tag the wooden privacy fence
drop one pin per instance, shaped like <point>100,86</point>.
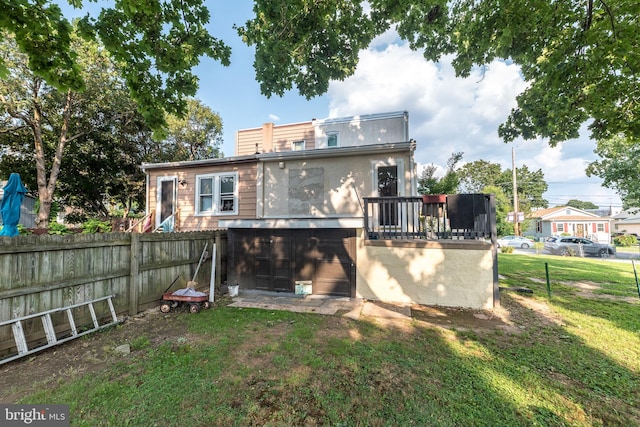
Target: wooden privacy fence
<point>40,273</point>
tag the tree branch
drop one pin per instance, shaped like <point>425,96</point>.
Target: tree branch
<point>613,23</point>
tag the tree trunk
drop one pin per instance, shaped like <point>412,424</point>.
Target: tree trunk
<point>46,189</point>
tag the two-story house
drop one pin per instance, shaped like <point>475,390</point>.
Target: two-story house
<point>293,200</point>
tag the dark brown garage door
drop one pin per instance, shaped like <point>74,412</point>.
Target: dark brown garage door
<point>273,260</point>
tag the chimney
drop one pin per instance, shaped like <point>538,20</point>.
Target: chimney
<point>267,137</point>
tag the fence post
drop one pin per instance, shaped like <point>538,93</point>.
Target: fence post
<point>218,259</point>
<point>134,273</point>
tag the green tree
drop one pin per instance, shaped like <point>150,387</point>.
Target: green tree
<point>196,136</point>
<point>156,42</point>
<point>581,59</point>
<point>580,204</point>
<point>503,206</point>
<point>478,174</point>
<point>97,132</point>
<point>531,185</point>
<point>428,183</point>
<point>619,167</point>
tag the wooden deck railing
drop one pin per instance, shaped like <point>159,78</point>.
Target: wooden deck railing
<point>454,216</point>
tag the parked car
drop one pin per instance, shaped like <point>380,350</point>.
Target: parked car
<point>569,245</point>
<point>516,241</point>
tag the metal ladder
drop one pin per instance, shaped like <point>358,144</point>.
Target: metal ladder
<point>47,324</point>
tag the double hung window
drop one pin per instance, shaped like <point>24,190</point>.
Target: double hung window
<point>217,194</point>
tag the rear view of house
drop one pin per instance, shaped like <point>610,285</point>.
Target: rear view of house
<point>293,200</point>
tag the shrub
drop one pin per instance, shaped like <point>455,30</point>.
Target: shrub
<point>57,228</point>
<point>96,226</point>
<point>22,230</point>
<point>506,249</point>
<point>625,240</point>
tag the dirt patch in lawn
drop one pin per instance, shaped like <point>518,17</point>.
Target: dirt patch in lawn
<point>86,354</point>
<point>153,328</point>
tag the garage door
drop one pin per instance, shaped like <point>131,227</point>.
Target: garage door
<point>273,260</point>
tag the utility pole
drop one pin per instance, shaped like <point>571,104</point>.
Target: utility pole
<point>516,225</point>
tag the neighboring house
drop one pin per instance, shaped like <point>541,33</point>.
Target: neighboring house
<point>292,199</point>
<point>570,221</point>
<point>627,222</point>
<point>27,210</point>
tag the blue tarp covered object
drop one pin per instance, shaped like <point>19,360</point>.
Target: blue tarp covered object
<point>12,198</point>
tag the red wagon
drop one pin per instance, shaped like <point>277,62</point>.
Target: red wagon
<point>196,303</point>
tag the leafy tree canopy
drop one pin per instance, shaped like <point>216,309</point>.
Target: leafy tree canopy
<point>81,150</point>
<point>429,183</point>
<point>503,207</point>
<point>531,185</point>
<point>156,43</point>
<point>477,175</point>
<point>196,136</point>
<point>619,168</point>
<point>581,59</point>
<point>579,204</point>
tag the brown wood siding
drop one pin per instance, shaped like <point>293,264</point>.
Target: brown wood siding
<point>186,196</point>
<point>246,141</point>
<point>283,136</point>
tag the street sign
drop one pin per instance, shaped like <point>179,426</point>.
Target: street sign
<point>511,215</point>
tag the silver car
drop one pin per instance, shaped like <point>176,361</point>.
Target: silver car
<point>515,241</point>
<point>578,246</point>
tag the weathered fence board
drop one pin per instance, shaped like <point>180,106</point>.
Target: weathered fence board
<point>39,273</point>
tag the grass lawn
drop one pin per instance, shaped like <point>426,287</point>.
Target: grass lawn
<point>573,360</point>
<point>628,249</point>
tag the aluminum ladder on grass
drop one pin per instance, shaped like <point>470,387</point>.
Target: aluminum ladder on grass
<point>49,329</point>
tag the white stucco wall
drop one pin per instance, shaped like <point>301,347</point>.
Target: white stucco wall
<point>324,187</point>
<point>430,273</point>
<point>385,128</point>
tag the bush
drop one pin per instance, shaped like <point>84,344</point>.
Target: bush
<point>57,228</point>
<point>506,249</point>
<point>22,230</point>
<point>625,240</point>
<point>96,226</point>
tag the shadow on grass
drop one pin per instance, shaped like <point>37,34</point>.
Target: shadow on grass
<point>264,367</point>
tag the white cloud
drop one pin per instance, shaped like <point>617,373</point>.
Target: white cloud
<point>274,118</point>
<point>450,114</point>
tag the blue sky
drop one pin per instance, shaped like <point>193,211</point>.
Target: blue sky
<point>446,114</point>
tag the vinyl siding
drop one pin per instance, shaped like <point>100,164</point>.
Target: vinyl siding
<point>186,196</point>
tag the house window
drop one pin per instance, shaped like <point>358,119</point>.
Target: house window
<point>538,226</point>
<point>217,194</point>
<point>601,228</point>
<point>297,146</point>
<point>332,139</point>
<point>560,228</point>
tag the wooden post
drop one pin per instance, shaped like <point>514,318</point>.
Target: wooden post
<point>217,259</point>
<point>212,279</point>
<point>134,274</point>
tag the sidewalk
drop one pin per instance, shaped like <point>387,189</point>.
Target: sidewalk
<point>353,308</point>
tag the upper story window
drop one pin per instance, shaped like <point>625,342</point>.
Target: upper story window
<point>217,194</point>
<point>297,146</point>
<point>332,139</point>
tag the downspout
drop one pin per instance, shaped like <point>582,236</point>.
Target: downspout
<point>146,191</point>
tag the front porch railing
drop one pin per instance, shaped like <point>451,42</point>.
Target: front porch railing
<point>455,216</point>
